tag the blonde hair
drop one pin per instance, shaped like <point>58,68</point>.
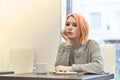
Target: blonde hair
<point>83,28</point>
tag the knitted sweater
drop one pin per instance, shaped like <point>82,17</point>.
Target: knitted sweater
<point>89,59</point>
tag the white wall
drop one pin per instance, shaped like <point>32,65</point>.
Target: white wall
<point>29,24</point>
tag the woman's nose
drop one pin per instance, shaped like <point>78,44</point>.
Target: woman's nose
<point>70,27</point>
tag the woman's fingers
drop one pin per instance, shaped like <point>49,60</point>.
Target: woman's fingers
<point>61,68</point>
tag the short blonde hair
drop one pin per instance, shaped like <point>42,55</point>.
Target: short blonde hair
<point>83,28</point>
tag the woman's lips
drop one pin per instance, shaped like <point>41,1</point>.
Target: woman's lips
<point>69,33</point>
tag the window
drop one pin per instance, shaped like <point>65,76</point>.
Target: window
<point>95,20</point>
<point>103,17</point>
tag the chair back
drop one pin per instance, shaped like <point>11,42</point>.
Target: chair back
<point>109,52</point>
<point>21,60</point>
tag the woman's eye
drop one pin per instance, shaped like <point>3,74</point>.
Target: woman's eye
<point>67,24</point>
<point>75,25</point>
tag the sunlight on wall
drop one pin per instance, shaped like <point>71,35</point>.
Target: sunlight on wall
<point>29,23</point>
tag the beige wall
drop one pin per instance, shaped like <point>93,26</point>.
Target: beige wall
<point>29,24</point>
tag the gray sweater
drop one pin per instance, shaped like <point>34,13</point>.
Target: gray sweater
<point>89,59</point>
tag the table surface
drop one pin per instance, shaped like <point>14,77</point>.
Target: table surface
<point>48,76</point>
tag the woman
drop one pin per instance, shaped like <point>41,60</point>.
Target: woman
<point>78,53</point>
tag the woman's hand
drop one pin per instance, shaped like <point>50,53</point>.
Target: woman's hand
<point>64,35</point>
<point>63,68</point>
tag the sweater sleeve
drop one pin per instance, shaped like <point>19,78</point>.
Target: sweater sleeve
<point>63,54</point>
<point>96,62</point>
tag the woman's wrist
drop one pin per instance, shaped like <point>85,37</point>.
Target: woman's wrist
<point>70,68</point>
<point>68,42</point>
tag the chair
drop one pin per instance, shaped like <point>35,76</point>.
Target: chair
<point>21,60</point>
<point>109,52</point>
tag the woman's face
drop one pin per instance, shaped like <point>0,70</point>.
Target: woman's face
<point>71,28</point>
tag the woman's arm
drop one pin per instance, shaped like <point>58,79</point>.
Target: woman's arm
<point>95,58</point>
<point>63,54</point>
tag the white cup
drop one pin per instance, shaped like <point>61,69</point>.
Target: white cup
<point>41,68</point>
